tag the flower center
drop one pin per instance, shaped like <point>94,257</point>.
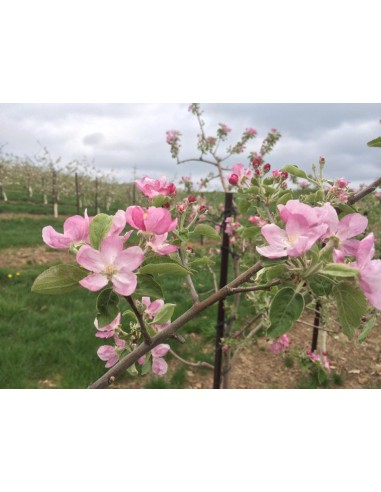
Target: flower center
<point>145,216</point>
<point>110,270</point>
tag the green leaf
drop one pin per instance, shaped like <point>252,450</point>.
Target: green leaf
<point>146,367</point>
<point>351,306</point>
<point>275,272</point>
<point>204,261</point>
<point>320,285</point>
<point>243,205</point>
<point>159,200</point>
<point>99,227</point>
<point>286,307</point>
<point>132,371</point>
<point>107,307</point>
<point>250,232</point>
<point>375,143</point>
<point>164,269</point>
<point>295,171</point>
<point>164,314</point>
<point>285,198</point>
<point>59,279</point>
<point>340,270</point>
<point>368,327</point>
<point>148,287</point>
<point>207,231</point>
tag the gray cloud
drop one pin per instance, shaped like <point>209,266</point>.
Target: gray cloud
<point>124,136</point>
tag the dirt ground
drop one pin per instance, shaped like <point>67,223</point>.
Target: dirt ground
<point>256,367</point>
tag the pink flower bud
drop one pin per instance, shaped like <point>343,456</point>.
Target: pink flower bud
<point>321,161</point>
<point>233,180</point>
<point>256,162</point>
<point>342,183</point>
<point>284,174</point>
<point>191,199</point>
<point>266,168</point>
<point>257,172</point>
<point>181,208</point>
<point>277,174</point>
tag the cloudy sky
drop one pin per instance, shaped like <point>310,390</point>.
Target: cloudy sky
<point>124,136</point>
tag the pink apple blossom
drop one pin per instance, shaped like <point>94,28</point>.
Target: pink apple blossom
<point>342,230</point>
<point>107,331</point>
<point>153,220</point>
<point>76,232</point>
<point>256,219</point>
<point>241,173</point>
<point>279,344</point>
<point>111,263</point>
<point>158,244</point>
<point>298,237</point>
<point>153,187</point>
<point>111,354</point>
<point>369,270</point>
<point>159,365</point>
<point>152,307</point>
<point>342,183</point>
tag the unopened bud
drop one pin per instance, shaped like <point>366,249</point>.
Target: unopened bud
<point>233,180</point>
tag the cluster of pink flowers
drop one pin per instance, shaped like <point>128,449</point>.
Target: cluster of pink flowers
<point>108,353</point>
<point>239,175</point>
<point>257,220</point>
<point>319,359</point>
<point>231,228</point>
<point>153,187</point>
<point>223,131</point>
<point>173,139</point>
<point>278,345</point>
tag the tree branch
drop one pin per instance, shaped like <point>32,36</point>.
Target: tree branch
<point>366,191</point>
<point>191,364</point>
<point>119,368</point>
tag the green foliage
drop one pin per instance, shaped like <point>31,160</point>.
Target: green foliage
<point>340,270</point>
<point>164,314</point>
<point>295,171</point>
<point>320,285</point>
<point>375,143</point>
<point>99,227</point>
<point>206,231</point>
<point>59,279</point>
<point>147,286</point>
<point>351,306</point>
<point>368,327</point>
<point>107,307</point>
<point>286,308</point>
<point>164,269</point>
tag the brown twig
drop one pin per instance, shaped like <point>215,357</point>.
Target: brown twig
<point>119,368</point>
<point>191,364</point>
<point>366,191</point>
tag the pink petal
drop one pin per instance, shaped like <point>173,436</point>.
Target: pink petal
<point>91,259</point>
<point>104,334</point>
<point>160,350</point>
<point>112,361</point>
<point>134,217</point>
<point>118,223</point>
<point>159,366</point>
<point>272,252</point>
<point>328,215</point>
<point>274,235</point>
<point>154,307</point>
<point>370,281</point>
<point>124,282</point>
<point>338,256</point>
<point>77,228</point>
<point>365,250</point>
<point>111,247</point>
<point>54,239</point>
<point>94,282</point>
<point>141,360</point>
<point>130,258</point>
<point>350,246</point>
<point>351,225</point>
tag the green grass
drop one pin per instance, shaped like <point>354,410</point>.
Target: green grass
<point>45,337</point>
<point>19,232</point>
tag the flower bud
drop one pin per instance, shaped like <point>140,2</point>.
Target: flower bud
<point>181,208</point>
<point>172,189</point>
<point>284,174</point>
<point>233,180</point>
<point>191,199</point>
<point>202,208</point>
<point>266,168</point>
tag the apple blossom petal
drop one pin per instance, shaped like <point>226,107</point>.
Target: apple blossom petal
<point>154,307</point>
<point>296,226</point>
<point>105,352</point>
<point>104,334</point>
<point>111,248</point>
<point>141,360</point>
<point>76,228</point>
<point>91,259</point>
<point>157,220</point>
<point>160,350</point>
<point>338,256</point>
<point>274,235</point>
<point>365,250</point>
<point>370,281</point>
<point>55,239</point>
<point>164,249</point>
<point>272,252</point>
<point>349,247</point>
<point>112,361</point>
<point>126,237</point>
<point>238,170</point>
<point>130,258</point>
<point>351,225</point>
<point>124,282</point>
<point>134,217</point>
<point>159,366</point>
<point>94,282</point>
<point>328,215</point>
<point>118,223</point>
